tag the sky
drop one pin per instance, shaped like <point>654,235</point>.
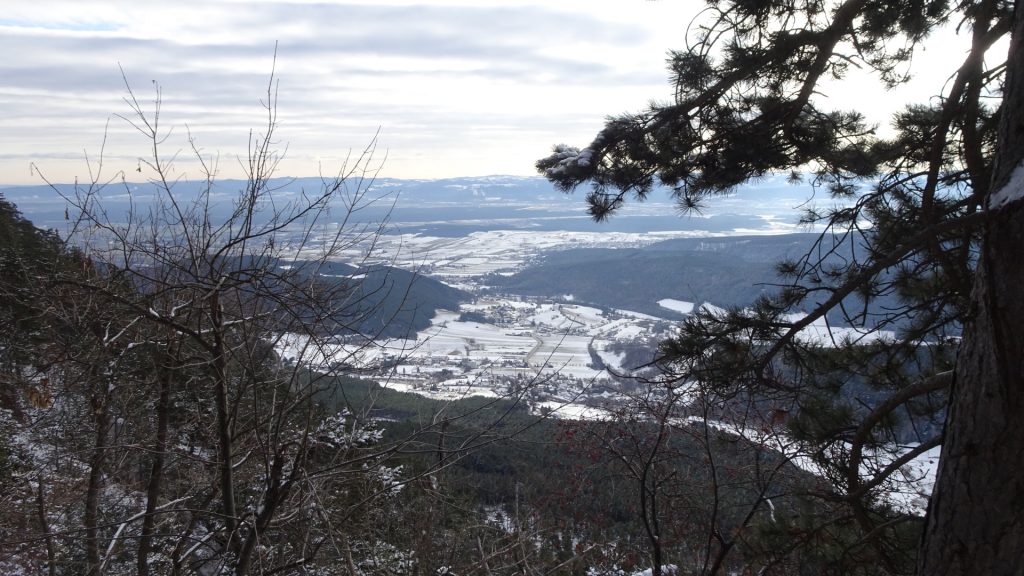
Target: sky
<point>442,89</point>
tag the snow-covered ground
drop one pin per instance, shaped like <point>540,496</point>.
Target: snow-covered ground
<point>571,411</point>
<point>527,343</point>
<point>822,333</point>
<point>676,305</point>
<point>553,348</point>
<point>463,260</point>
<point>908,489</point>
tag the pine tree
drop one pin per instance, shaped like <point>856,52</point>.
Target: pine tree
<point>919,251</point>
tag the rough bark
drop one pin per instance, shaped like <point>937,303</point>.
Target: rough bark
<point>976,519</point>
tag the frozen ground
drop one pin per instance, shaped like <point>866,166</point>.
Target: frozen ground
<point>527,343</point>
<point>463,261</point>
<point>676,305</point>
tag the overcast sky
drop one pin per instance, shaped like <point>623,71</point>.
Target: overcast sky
<point>456,88</point>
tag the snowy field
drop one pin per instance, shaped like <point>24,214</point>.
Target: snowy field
<point>548,346</point>
<point>822,333</point>
<point>462,261</point>
<point>676,305</point>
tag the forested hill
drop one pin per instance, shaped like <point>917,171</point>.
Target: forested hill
<point>392,302</point>
<point>724,271</point>
<point>730,271</point>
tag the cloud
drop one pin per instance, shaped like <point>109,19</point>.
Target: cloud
<point>457,87</point>
<point>73,26</point>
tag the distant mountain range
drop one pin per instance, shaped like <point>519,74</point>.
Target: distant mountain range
<point>731,269</point>
<point>454,206</point>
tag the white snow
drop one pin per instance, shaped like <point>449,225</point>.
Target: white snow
<point>637,315</point>
<point>712,309</point>
<point>912,484</point>
<point>471,257</point>
<point>907,489</point>
<point>680,306</point>
<point>584,314</point>
<point>571,411</point>
<point>612,360</point>
<point>820,332</point>
<point>1011,192</point>
<point>667,570</point>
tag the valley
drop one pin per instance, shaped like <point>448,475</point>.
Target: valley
<point>554,308</point>
<point>492,341</point>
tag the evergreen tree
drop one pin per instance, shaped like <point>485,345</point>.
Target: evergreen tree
<point>929,218</point>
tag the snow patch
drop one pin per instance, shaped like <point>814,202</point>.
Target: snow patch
<point>712,309</point>
<point>636,315</point>
<point>822,333</point>
<point>681,306</point>
<point>1011,192</point>
<point>572,411</point>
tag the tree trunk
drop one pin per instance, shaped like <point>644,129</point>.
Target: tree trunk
<point>975,521</point>
<point>276,491</point>
<point>90,519</point>
<point>44,528</point>
<point>153,488</point>
<point>224,446</point>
